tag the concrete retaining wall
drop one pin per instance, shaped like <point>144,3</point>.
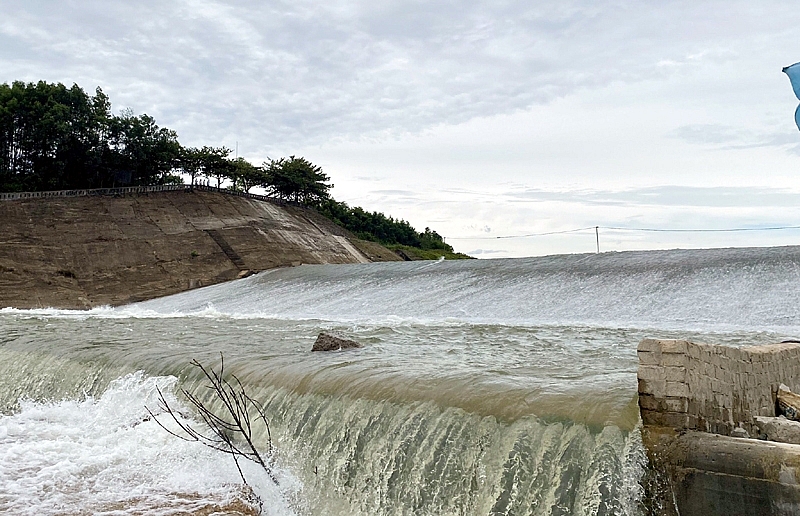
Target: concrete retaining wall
<point>80,251</point>
<point>701,474</point>
<point>692,386</point>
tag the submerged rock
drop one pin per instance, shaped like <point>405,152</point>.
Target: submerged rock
<point>330,342</point>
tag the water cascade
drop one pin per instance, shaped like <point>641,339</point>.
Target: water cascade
<point>483,387</point>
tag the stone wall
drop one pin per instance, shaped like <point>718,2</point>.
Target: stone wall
<point>701,474</point>
<point>693,386</point>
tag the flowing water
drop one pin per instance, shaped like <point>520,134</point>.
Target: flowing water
<point>483,387</point>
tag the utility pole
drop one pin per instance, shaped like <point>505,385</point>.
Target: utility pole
<point>597,235</point>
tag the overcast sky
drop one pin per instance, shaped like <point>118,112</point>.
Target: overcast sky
<point>478,119</point>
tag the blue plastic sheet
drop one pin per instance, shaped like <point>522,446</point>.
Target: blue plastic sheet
<point>793,72</point>
<point>797,117</point>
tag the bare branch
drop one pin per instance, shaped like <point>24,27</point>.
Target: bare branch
<point>223,430</point>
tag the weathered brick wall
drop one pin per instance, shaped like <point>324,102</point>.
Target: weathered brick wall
<point>687,385</point>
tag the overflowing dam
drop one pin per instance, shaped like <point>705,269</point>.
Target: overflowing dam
<point>481,387</point>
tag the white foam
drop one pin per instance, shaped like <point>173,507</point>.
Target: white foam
<point>106,312</point>
<point>716,290</point>
<point>711,290</point>
<point>106,456</point>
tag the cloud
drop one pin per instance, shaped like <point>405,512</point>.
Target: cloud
<point>282,74</point>
<point>667,196</point>
<point>732,137</point>
<point>396,193</point>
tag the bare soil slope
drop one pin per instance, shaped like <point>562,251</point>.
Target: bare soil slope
<point>89,251</point>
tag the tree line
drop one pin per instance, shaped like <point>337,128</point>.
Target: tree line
<point>380,228</point>
<point>57,138</point>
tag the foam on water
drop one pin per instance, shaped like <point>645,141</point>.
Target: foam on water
<point>106,456</point>
<point>107,312</point>
<point>697,290</point>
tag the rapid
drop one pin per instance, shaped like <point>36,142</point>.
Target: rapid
<point>491,387</point>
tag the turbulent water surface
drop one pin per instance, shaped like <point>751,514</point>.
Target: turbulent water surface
<point>483,387</point>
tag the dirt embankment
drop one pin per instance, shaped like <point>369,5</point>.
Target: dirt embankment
<point>90,251</point>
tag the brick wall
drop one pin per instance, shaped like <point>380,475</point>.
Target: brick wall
<point>687,385</point>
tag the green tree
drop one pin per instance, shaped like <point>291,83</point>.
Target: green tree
<point>298,180</point>
<point>245,175</point>
<point>380,228</point>
<point>142,153</point>
<point>432,240</point>
<point>52,137</point>
<point>214,165</point>
<point>190,163</point>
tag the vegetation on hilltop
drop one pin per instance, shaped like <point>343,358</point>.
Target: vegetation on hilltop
<point>393,233</point>
<point>58,138</point>
<point>54,137</point>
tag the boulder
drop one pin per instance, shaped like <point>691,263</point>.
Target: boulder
<point>778,429</point>
<point>330,342</point>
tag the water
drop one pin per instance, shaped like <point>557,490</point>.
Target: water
<point>483,387</point>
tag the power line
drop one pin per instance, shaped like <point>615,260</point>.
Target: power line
<point>620,228</point>
<point>727,230</point>
<point>544,234</point>
<point>522,236</point>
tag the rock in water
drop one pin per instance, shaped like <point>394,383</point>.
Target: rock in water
<point>330,342</point>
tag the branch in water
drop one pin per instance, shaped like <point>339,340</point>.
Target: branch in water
<point>231,432</point>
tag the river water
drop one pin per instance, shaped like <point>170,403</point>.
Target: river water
<point>483,387</point>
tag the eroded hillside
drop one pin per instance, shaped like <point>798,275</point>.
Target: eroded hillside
<point>102,250</point>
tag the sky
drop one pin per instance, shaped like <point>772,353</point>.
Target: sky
<point>505,126</point>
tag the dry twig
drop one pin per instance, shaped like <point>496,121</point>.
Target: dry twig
<point>232,432</point>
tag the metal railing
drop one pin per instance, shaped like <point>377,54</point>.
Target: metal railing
<point>237,193</point>
<point>131,190</point>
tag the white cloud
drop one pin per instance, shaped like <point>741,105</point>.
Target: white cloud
<point>299,72</point>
